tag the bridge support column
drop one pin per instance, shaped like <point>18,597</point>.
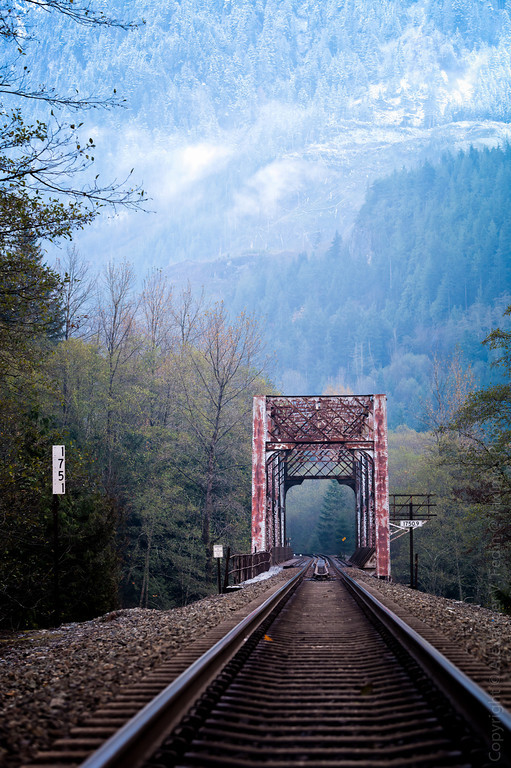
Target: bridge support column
<point>259,533</point>
<point>381,487</point>
<point>341,437</point>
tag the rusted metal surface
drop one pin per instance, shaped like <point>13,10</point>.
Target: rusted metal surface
<point>334,437</point>
<point>381,487</point>
<point>259,474</point>
<point>312,461</point>
<point>318,419</point>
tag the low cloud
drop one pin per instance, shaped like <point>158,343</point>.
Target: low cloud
<point>267,190</point>
<point>166,166</point>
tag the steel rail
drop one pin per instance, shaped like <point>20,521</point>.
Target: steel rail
<point>332,687</point>
<point>137,740</point>
<point>484,715</point>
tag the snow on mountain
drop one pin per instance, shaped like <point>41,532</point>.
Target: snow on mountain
<point>260,124</point>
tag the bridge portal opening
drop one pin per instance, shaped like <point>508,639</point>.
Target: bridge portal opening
<point>341,438</point>
<point>321,518</point>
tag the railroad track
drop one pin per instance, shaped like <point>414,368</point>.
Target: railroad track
<point>321,676</point>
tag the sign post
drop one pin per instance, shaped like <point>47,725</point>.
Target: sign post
<point>59,488</point>
<point>413,585</point>
<point>411,511</point>
<point>218,553</point>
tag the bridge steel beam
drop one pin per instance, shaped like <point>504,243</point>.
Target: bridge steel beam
<point>340,437</point>
<point>381,486</point>
<point>259,522</point>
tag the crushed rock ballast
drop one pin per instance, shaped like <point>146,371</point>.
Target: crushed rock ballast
<point>51,678</point>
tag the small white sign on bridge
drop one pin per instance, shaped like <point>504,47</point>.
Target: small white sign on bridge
<point>59,469</point>
<point>411,523</point>
<point>218,550</point>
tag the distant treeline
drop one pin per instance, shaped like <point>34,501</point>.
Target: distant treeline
<point>436,241</point>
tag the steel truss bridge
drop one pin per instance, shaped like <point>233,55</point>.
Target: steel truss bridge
<point>341,437</point>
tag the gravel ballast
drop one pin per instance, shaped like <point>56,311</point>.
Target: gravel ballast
<point>483,633</point>
<point>50,679</point>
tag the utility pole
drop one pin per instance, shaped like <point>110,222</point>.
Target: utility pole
<point>407,512</point>
<point>412,580</point>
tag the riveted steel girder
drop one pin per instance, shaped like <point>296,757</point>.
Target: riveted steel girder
<point>335,437</point>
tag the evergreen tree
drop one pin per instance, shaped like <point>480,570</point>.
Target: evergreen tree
<point>336,524</point>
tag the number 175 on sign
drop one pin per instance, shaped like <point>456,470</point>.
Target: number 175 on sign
<point>59,469</point>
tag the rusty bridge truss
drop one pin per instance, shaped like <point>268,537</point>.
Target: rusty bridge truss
<point>342,438</point>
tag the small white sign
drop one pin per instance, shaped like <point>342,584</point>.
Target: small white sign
<point>411,523</point>
<point>59,469</point>
<point>218,550</point>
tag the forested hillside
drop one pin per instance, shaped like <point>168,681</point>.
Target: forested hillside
<point>438,239</point>
<point>426,269</point>
<point>151,393</point>
<point>260,123</point>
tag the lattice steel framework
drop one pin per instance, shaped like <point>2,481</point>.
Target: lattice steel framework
<point>339,437</point>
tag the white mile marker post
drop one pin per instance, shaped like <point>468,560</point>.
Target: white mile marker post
<point>218,553</point>
<point>59,469</point>
<point>59,488</point>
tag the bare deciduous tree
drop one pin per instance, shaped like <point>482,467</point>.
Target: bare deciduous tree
<point>116,316</point>
<point>451,383</point>
<point>157,313</point>
<point>216,380</point>
<point>78,294</point>
<point>187,316</point>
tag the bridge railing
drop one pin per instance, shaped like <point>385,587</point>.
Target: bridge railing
<point>242,567</point>
<point>281,554</point>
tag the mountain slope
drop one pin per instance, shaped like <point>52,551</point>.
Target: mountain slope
<point>427,268</point>
<point>258,124</point>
